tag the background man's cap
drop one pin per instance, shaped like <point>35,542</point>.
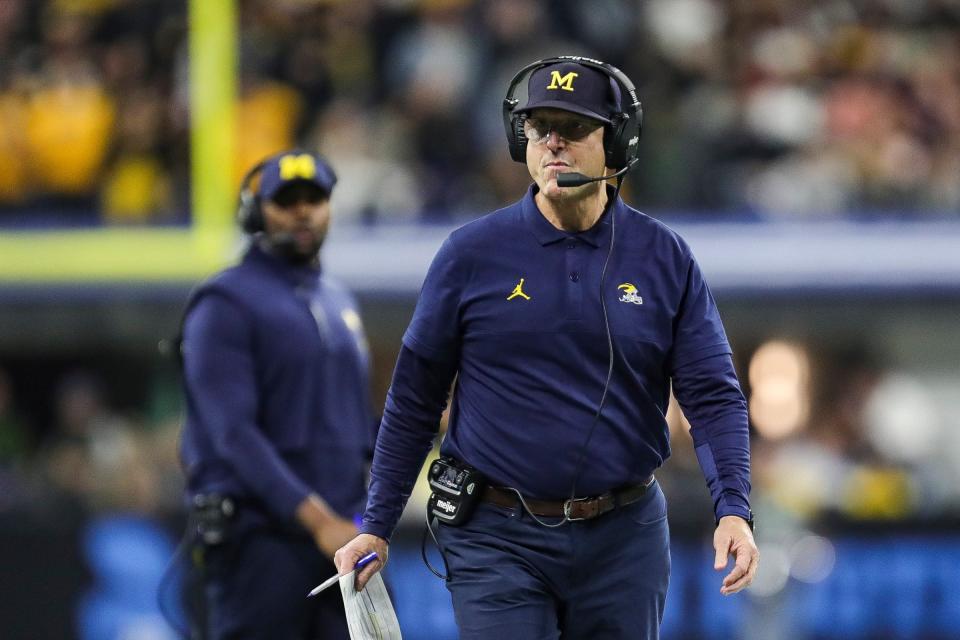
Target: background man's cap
<point>295,166</point>
<point>573,87</point>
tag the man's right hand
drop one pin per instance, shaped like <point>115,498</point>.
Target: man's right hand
<point>346,557</point>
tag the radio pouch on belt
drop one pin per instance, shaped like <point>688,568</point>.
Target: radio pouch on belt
<point>211,517</point>
<point>456,489</point>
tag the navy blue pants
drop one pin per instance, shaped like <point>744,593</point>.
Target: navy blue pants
<point>600,579</point>
<point>257,585</point>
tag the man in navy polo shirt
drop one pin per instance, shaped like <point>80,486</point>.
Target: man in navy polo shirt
<point>278,430</point>
<point>544,328</point>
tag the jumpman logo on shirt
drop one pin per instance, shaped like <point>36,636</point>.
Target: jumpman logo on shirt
<point>518,291</point>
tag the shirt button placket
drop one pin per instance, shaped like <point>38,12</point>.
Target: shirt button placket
<point>574,270</point>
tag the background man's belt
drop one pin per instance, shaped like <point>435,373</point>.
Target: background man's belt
<point>575,509</point>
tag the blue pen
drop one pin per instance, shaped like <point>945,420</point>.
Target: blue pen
<point>361,563</point>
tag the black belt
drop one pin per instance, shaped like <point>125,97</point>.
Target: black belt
<point>575,508</point>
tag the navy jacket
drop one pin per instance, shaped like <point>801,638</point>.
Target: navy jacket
<point>276,375</point>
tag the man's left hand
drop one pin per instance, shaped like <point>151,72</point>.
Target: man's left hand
<point>733,536</point>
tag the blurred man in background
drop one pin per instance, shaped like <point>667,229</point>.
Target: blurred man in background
<point>279,429</point>
<point>564,350</point>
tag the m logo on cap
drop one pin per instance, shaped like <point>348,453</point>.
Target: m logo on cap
<point>564,82</point>
<point>302,166</point>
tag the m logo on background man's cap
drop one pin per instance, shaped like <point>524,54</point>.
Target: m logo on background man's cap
<point>564,82</point>
<point>300,166</point>
<point>293,166</point>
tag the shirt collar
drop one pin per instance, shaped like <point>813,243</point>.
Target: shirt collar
<point>546,233</point>
<point>296,274</point>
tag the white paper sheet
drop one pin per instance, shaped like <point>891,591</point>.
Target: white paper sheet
<point>370,614</point>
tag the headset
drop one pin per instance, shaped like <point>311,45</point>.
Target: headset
<point>620,137</point>
<point>249,213</point>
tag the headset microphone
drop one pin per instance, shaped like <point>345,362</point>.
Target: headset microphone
<point>574,179</point>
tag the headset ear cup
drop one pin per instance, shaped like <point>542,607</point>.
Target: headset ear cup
<point>518,138</point>
<point>609,142</point>
<point>613,143</point>
<point>630,137</point>
<point>249,214</point>
<point>255,217</point>
<point>620,141</point>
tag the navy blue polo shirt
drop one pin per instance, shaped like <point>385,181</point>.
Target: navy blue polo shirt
<point>513,306</point>
<point>276,375</point>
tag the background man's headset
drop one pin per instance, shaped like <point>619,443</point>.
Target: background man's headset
<point>620,146</point>
<point>249,214</point>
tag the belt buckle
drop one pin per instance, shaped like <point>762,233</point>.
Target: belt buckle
<point>568,507</point>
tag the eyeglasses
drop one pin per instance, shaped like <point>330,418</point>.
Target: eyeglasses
<point>537,131</point>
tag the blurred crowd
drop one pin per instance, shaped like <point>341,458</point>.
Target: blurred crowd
<point>839,438</point>
<point>762,108</point>
<point>82,455</point>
